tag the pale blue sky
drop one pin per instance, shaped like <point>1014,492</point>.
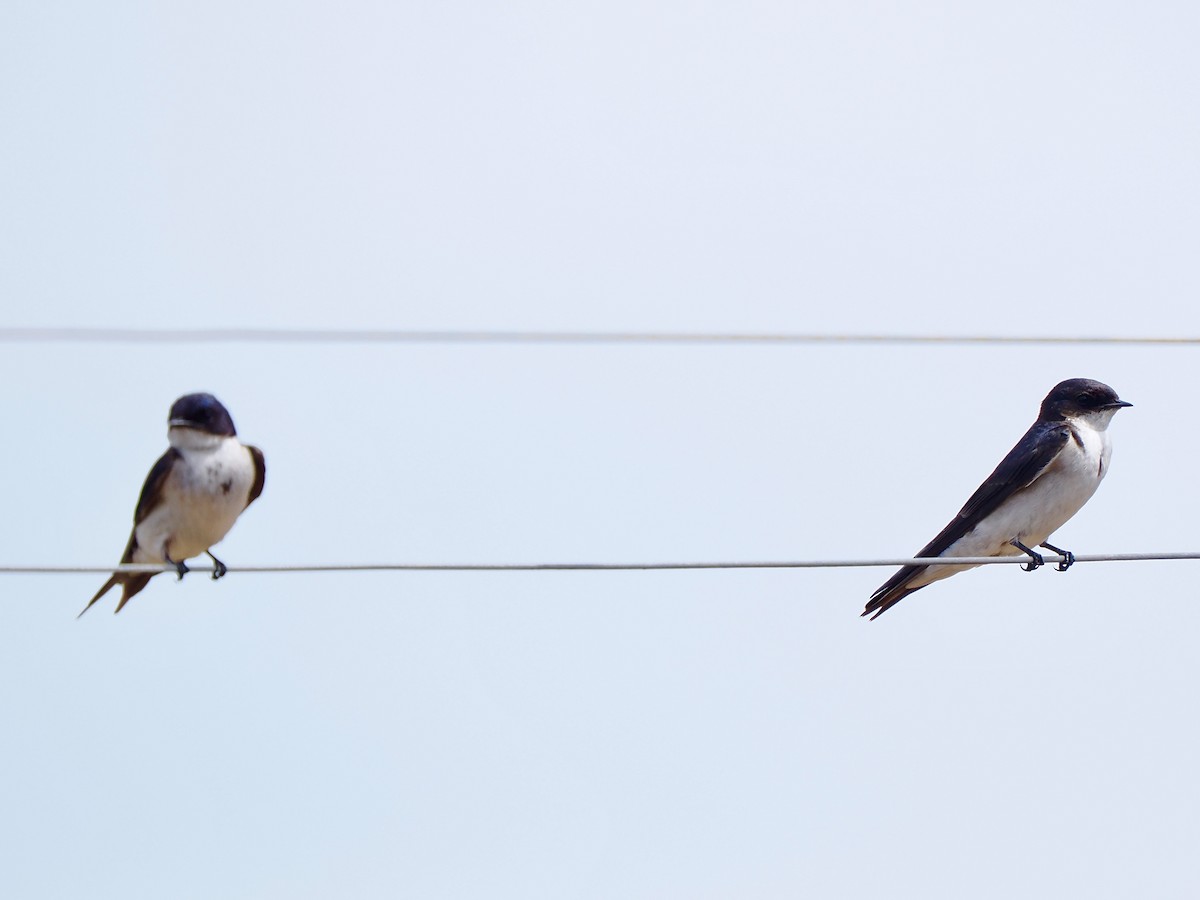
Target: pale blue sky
<point>887,168</point>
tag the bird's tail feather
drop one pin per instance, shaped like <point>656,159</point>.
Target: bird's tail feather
<point>133,584</point>
<point>893,591</point>
<point>877,608</point>
<point>130,585</point>
<point>108,585</point>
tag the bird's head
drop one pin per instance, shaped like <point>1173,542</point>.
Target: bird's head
<point>1082,398</point>
<point>203,413</point>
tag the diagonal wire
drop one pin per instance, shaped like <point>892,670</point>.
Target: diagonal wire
<point>1050,558</point>
<point>487,336</point>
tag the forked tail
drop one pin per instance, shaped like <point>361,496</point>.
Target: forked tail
<point>130,585</point>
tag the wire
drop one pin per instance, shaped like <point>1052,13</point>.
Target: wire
<point>481,336</point>
<point>1050,558</point>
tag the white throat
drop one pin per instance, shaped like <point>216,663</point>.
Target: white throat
<point>182,438</point>
<point>1097,420</point>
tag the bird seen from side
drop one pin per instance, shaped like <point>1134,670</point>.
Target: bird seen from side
<point>1042,482</point>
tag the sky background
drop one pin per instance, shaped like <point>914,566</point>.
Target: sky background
<point>890,168</point>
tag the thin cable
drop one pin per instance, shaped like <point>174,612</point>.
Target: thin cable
<point>1050,559</point>
<point>480,336</point>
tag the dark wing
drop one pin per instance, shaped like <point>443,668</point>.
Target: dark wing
<point>260,473</point>
<point>1023,465</point>
<point>150,498</point>
<point>152,490</point>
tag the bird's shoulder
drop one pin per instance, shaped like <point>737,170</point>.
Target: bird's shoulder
<point>260,473</point>
<point>152,491</point>
<point>1032,455</point>
<point>1025,462</point>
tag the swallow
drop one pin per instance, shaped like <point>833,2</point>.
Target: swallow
<point>192,496</point>
<point>1043,481</point>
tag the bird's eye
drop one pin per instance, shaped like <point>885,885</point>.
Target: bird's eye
<point>1083,397</point>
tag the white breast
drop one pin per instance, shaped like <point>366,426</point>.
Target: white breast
<point>204,494</point>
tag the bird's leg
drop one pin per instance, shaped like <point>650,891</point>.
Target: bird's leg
<point>1035,559</point>
<point>1068,558</point>
<point>180,566</point>
<point>219,569</point>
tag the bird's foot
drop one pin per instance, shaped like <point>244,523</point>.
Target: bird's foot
<point>180,568</point>
<point>219,568</point>
<point>1068,558</point>
<point>1036,560</point>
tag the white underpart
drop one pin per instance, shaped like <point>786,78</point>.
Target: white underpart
<point>1034,513</point>
<point>197,510</point>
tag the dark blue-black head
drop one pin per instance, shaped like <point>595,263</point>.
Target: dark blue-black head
<point>1080,397</point>
<point>203,412</point>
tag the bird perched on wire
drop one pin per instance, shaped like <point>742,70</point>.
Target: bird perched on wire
<point>192,496</point>
<point>1043,481</point>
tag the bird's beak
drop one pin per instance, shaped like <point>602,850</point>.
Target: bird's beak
<point>184,423</point>
<point>1118,404</point>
